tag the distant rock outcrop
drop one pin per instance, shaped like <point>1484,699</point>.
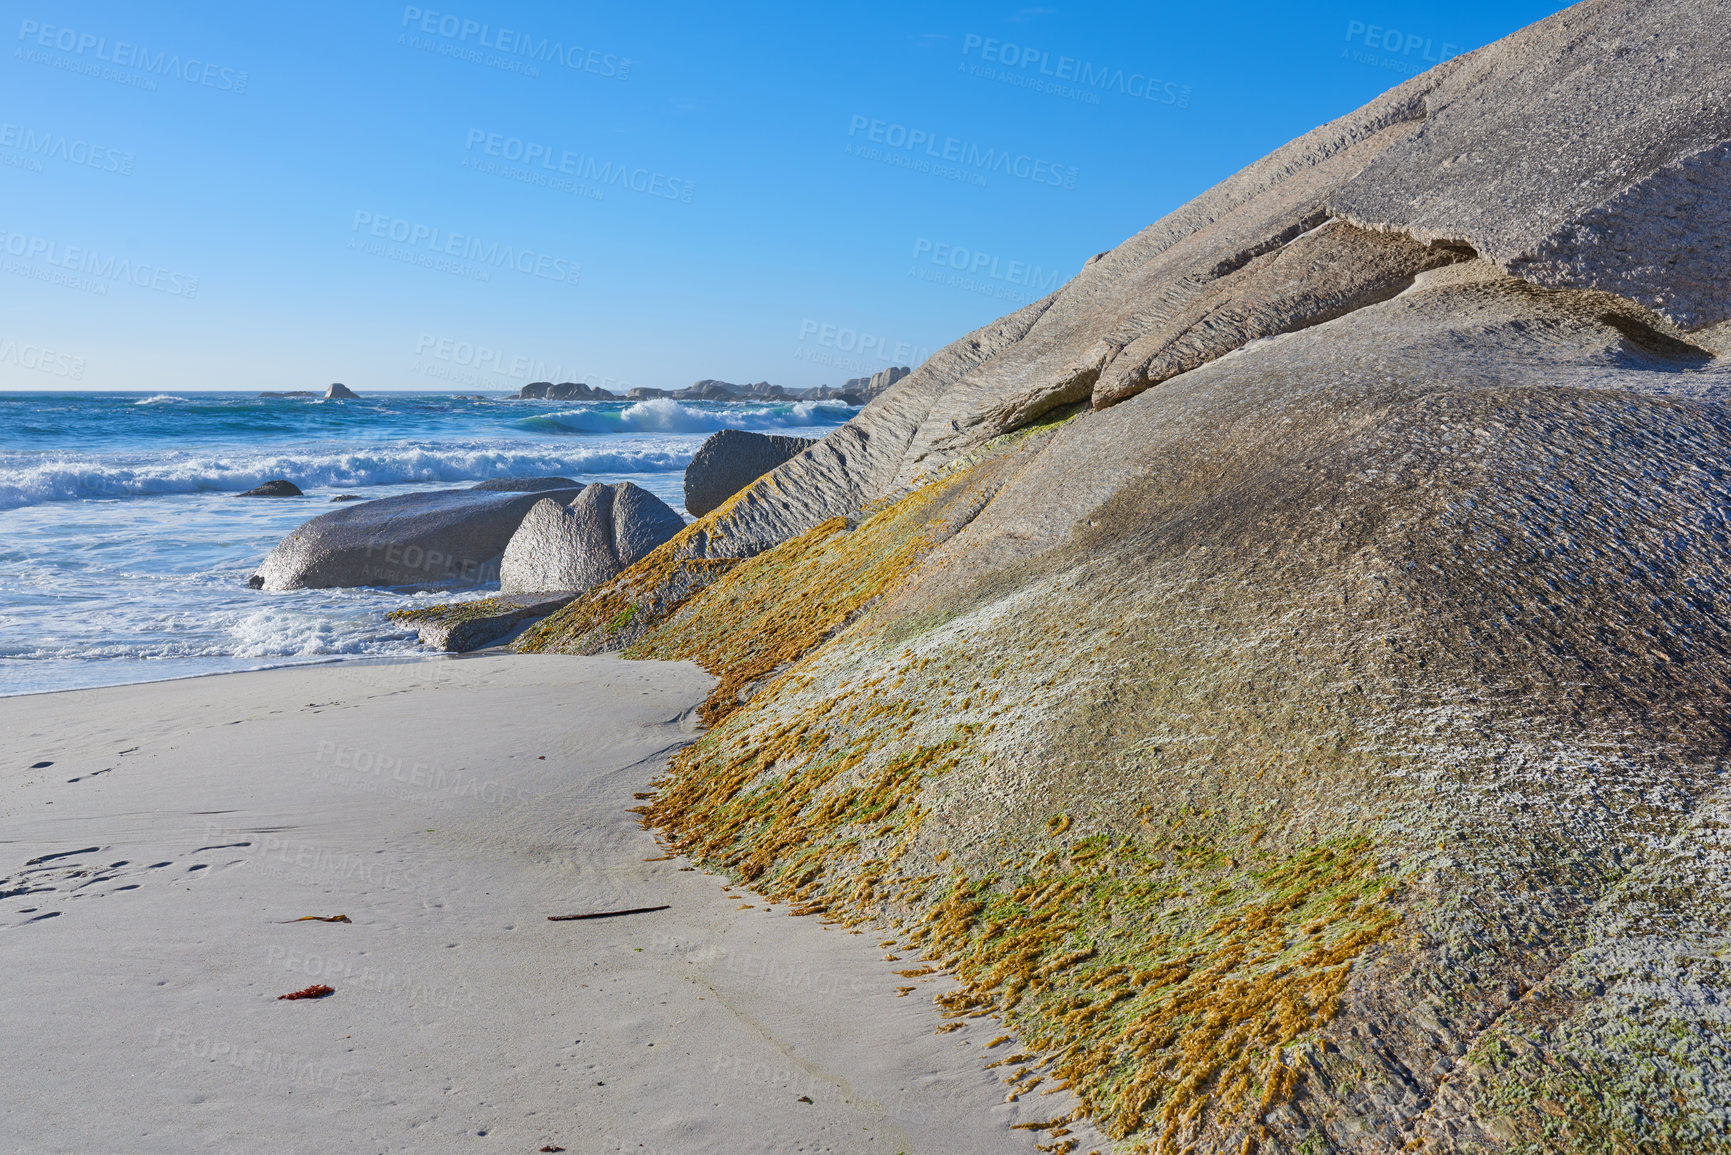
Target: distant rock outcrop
<point>730,460</point>
<point>340,392</point>
<point>579,545</point>
<point>858,390</point>
<point>450,536</point>
<point>278,488</point>
<point>867,388</point>
<point>564,391</point>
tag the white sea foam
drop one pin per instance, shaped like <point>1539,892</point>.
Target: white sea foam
<point>665,415</point>
<point>162,399</point>
<point>28,480</point>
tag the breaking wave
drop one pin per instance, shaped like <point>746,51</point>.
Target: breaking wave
<point>665,415</point>
<point>31,480</point>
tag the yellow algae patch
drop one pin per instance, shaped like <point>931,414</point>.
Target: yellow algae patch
<point>1158,1007</point>
<point>766,613</point>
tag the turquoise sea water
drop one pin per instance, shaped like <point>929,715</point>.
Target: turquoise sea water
<point>124,553</point>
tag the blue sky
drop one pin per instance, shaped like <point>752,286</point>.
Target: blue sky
<point>466,195</point>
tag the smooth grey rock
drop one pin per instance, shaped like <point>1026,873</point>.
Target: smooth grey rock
<point>277,488</point>
<point>575,546</point>
<point>348,497</point>
<point>730,460</point>
<point>452,536</point>
<point>641,521</point>
<point>340,392</point>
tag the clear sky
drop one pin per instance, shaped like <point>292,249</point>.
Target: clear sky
<point>471,195</point>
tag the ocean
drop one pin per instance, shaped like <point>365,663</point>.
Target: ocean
<point>124,553</point>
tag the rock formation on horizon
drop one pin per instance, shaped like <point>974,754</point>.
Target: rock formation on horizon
<point>1286,672</point>
<point>340,392</point>
<point>564,391</point>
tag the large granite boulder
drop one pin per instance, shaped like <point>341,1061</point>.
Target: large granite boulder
<point>451,536</point>
<point>340,392</point>
<point>578,545</point>
<point>732,459</point>
<point>1301,645</point>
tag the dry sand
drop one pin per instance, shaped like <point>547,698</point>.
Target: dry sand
<point>446,807</point>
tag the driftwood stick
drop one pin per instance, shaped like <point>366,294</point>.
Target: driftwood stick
<point>604,913</point>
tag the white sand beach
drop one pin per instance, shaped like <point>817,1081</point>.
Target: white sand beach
<point>152,870</point>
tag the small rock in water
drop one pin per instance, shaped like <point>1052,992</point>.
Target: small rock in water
<point>340,392</point>
<point>348,497</point>
<point>278,488</point>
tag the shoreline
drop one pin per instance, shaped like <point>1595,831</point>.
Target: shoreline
<point>155,868</point>
<point>322,663</point>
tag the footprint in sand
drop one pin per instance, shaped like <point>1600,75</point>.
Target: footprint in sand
<point>75,874</point>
